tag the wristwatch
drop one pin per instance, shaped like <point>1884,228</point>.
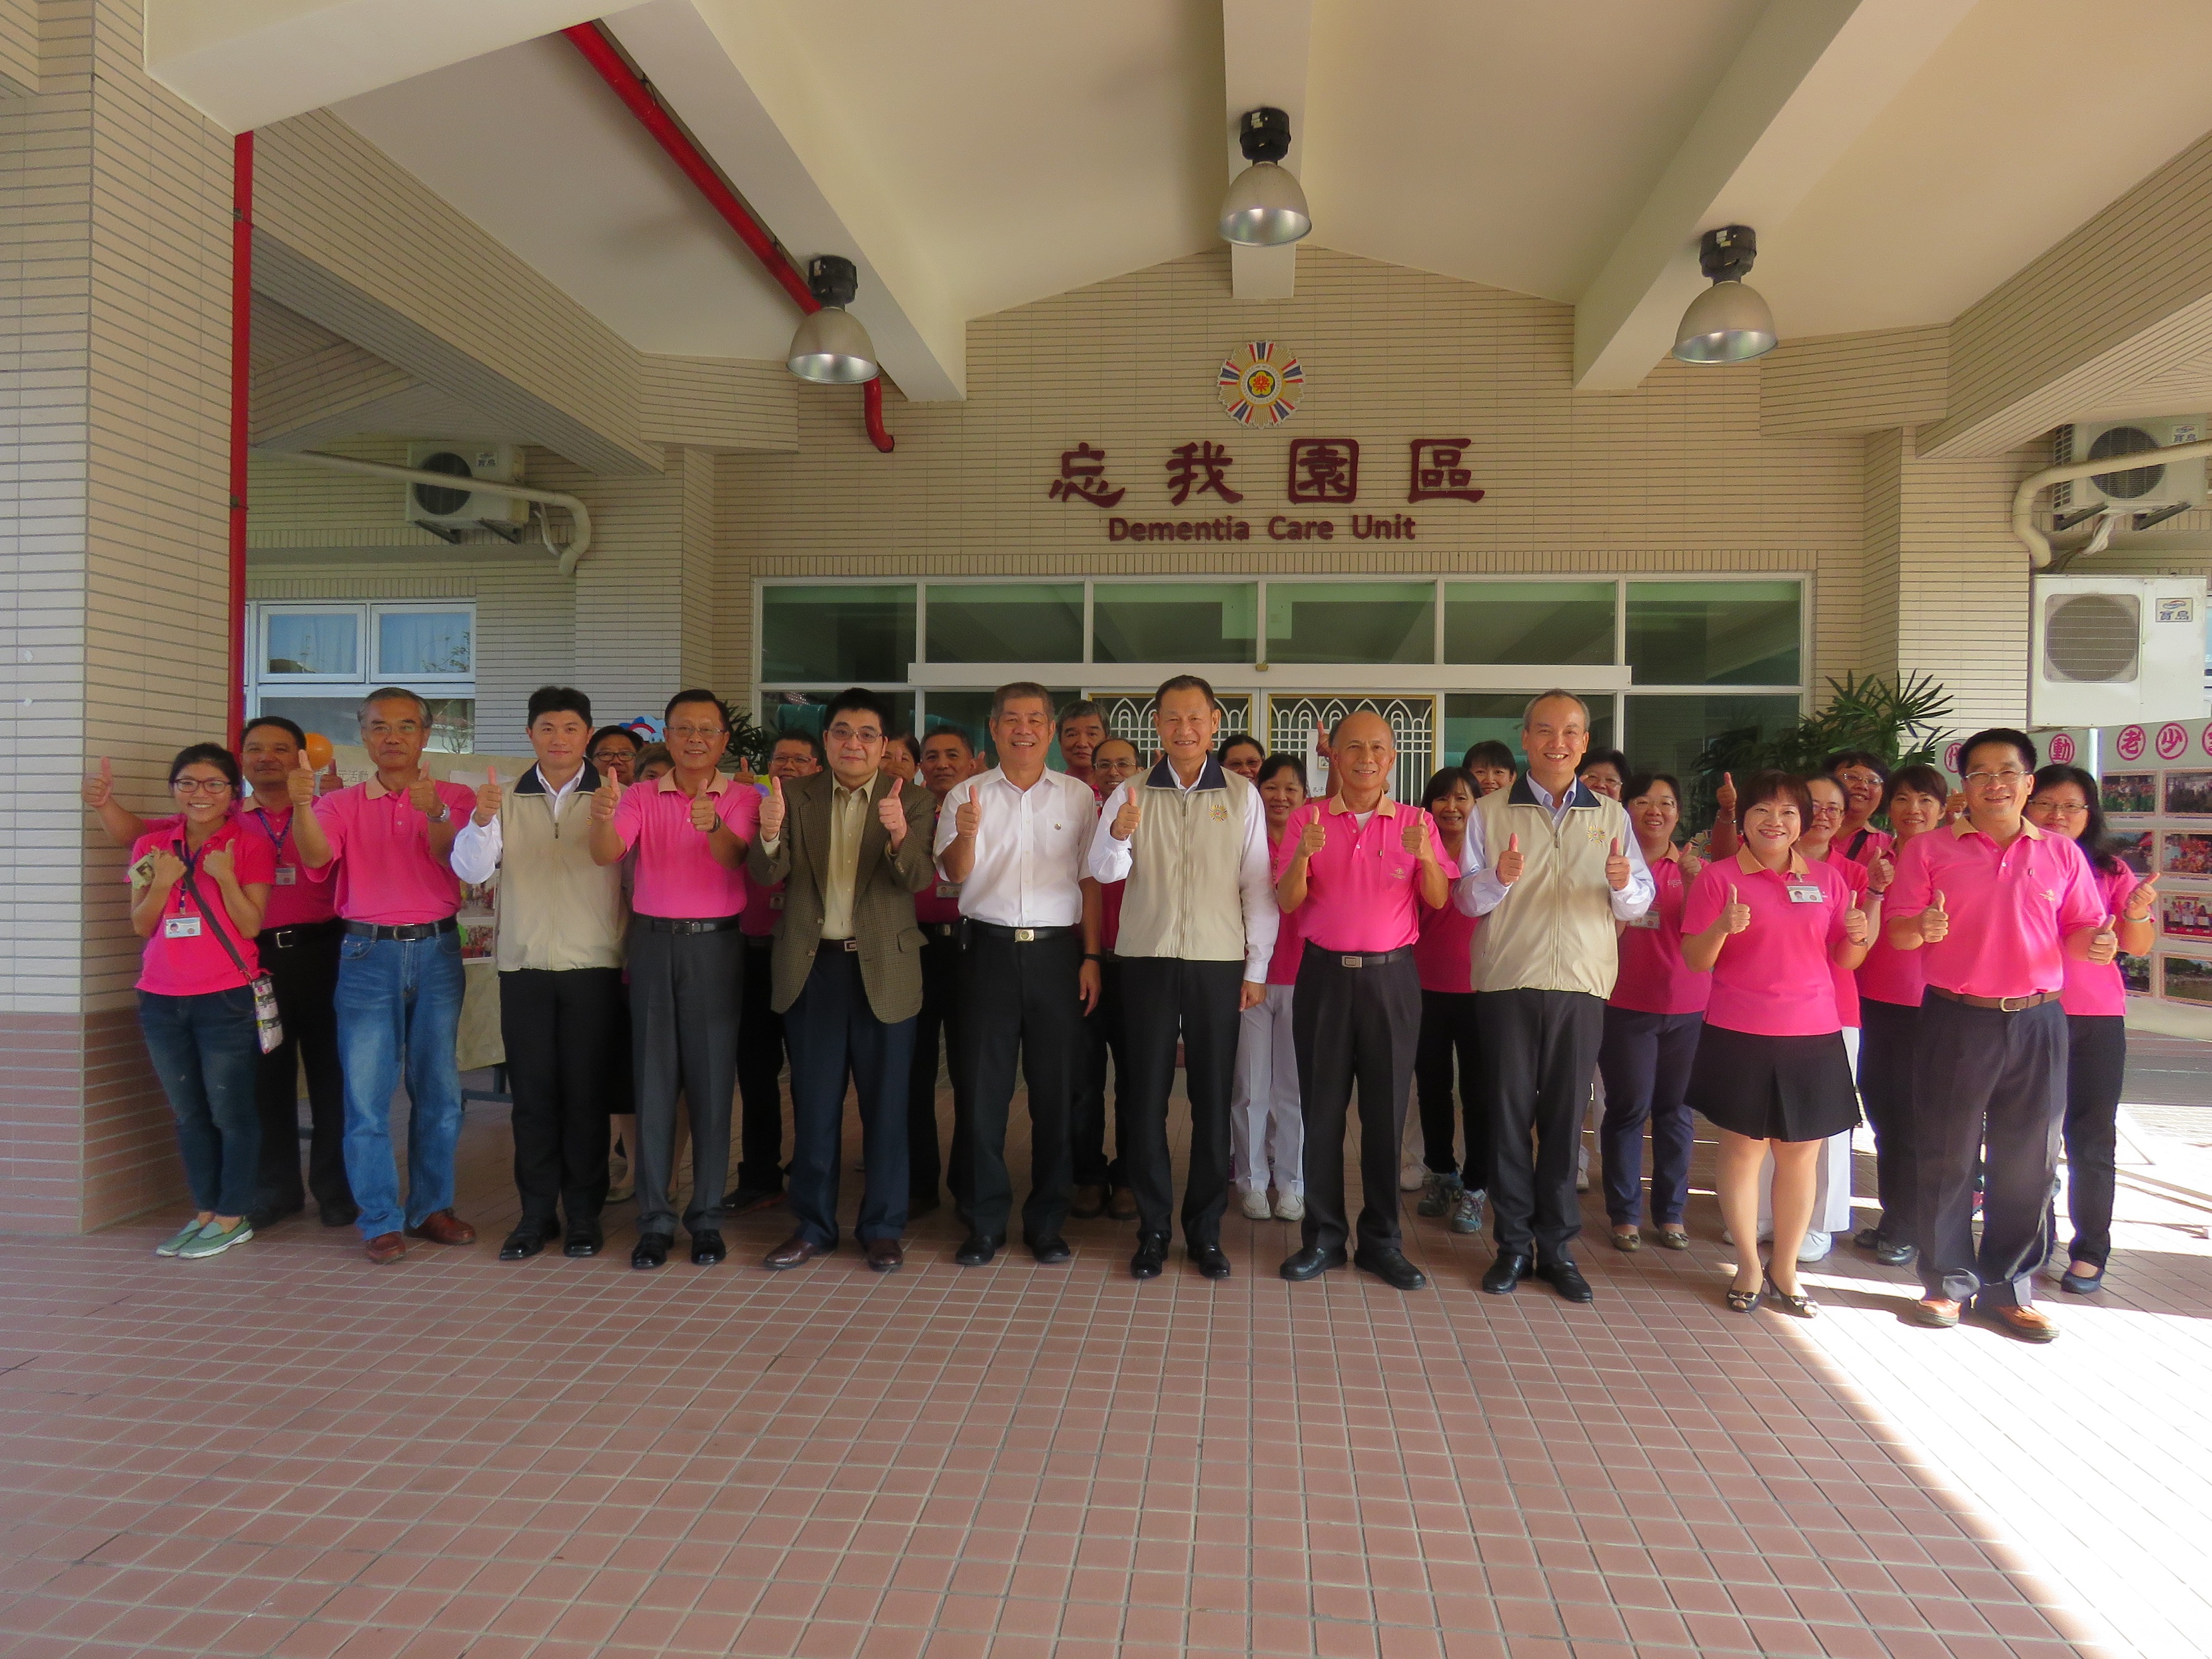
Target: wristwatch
<point>445,812</point>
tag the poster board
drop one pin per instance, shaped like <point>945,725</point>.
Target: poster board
<point>2155,781</point>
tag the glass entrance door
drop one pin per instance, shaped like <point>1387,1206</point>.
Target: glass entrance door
<point>1296,719</point>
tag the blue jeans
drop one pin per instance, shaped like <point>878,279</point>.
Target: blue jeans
<point>207,1052</point>
<point>399,1003</point>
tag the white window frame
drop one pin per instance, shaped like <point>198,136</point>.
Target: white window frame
<point>366,613</point>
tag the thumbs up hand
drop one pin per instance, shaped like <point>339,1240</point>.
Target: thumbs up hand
<point>422,795</point>
<point>1416,837</point>
<point>772,809</point>
<point>702,811</point>
<point>969,818</point>
<point>1312,838</point>
<point>1126,820</point>
<point>100,786</point>
<point>2105,943</point>
<point>488,795</point>
<point>1856,928</point>
<point>1881,873</point>
<point>1934,922</point>
<point>1725,797</point>
<point>299,784</point>
<point>606,798</point>
<point>2142,899</point>
<point>890,812</point>
<point>1510,861</point>
<point>217,862</point>
<point>1737,917</point>
<point>1616,867</point>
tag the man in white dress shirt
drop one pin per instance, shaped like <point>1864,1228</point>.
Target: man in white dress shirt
<point>1014,839</point>
<point>1198,927</point>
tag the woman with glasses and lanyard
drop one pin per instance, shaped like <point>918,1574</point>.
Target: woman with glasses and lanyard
<point>197,886</point>
<point>2096,1004</point>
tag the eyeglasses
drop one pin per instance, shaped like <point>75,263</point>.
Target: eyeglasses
<point>200,785</point>
<point>844,733</point>
<point>2058,810</point>
<point>2008,776</point>
<point>694,731</point>
<point>1826,809</point>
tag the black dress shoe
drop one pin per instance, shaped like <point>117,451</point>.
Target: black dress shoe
<point>262,1220</point>
<point>527,1240</point>
<point>743,1201</point>
<point>1051,1249</point>
<point>584,1238</point>
<point>1567,1280</point>
<point>1311,1262</point>
<point>794,1252</point>
<point>1893,1253</point>
<point>1868,1238</point>
<point>1388,1263</point>
<point>652,1250</point>
<point>343,1216</point>
<point>1151,1256</point>
<point>1209,1259</point>
<point>979,1248</point>
<point>1510,1268</point>
<point>707,1247</point>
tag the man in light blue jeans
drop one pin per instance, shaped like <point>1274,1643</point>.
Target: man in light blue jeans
<point>399,972</point>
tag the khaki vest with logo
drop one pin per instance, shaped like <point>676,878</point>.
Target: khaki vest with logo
<point>557,910</point>
<point>1186,859</point>
<point>1554,932</point>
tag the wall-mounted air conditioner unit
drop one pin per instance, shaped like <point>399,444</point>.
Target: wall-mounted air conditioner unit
<point>446,512</point>
<point>2149,493</point>
<point>2115,648</point>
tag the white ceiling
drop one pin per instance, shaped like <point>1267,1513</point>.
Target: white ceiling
<point>1017,148</point>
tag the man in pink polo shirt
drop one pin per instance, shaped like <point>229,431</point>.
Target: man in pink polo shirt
<point>1996,906</point>
<point>1356,867</point>
<point>690,828</point>
<point>399,973</point>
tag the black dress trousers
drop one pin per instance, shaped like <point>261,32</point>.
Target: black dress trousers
<point>560,1032</point>
<point>1105,1036</point>
<point>1020,1007</point>
<point>302,963</point>
<point>1354,1025</point>
<point>1448,1029</point>
<point>761,1046</point>
<point>936,1046</point>
<point>1888,1034</point>
<point>1539,1048</point>
<point>1164,998</point>
<point>684,991</point>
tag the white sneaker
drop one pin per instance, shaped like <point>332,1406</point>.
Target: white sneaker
<point>1291,1207</point>
<point>1413,1176</point>
<point>1255,1204</point>
<point>1816,1245</point>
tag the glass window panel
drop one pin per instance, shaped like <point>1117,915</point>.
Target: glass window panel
<point>1351,621</point>
<point>1529,622</point>
<point>1667,734</point>
<point>412,642</point>
<point>801,711</point>
<point>302,642</point>
<point>1713,633</point>
<point>970,712</point>
<point>1174,621</point>
<point>840,634</point>
<point>1470,717</point>
<point>452,719</point>
<point>1006,622</point>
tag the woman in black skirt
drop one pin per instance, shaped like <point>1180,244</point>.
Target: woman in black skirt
<point>1770,1071</point>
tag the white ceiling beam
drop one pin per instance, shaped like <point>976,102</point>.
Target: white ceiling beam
<point>1265,46</point>
<point>243,64</point>
<point>747,91</point>
<point>1810,78</point>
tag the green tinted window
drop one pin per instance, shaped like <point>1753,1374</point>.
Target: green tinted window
<point>838,635</point>
<point>1529,622</point>
<point>1667,734</point>
<point>1470,717</point>
<point>1351,621</point>
<point>1174,621</point>
<point>1006,622</point>
<point>1713,633</point>
<point>970,712</point>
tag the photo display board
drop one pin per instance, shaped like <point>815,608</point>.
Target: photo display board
<point>2155,780</point>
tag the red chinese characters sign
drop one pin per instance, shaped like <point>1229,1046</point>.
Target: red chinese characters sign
<point>1440,472</point>
<point>1083,478</point>
<point>1324,471</point>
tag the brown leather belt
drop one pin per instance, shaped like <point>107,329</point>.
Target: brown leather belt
<point>2003,1005</point>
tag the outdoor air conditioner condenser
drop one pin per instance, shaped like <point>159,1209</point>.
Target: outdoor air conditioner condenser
<point>2109,649</point>
<point>2149,494</point>
<point>446,512</point>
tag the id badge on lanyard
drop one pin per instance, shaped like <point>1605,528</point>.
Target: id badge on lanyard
<point>287,875</point>
<point>1805,892</point>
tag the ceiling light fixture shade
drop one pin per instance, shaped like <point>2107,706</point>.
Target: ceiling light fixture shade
<point>1265,207</point>
<point>1729,322</point>
<point>831,348</point>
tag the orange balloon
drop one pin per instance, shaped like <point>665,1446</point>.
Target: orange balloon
<point>318,750</point>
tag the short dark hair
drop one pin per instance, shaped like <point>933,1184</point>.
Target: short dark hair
<point>557,699</point>
<point>1611,757</point>
<point>208,754</point>
<point>1185,683</point>
<point>1083,708</point>
<point>1135,753</point>
<point>392,694</point>
<point>1866,757</point>
<point>652,754</point>
<point>908,741</point>
<point>1020,691</point>
<point>966,742</point>
<point>289,728</point>
<point>1244,737</point>
<point>793,734</point>
<point>1920,778</point>
<point>858,700</point>
<point>2091,838</point>
<point>1278,760</point>
<point>1774,786</point>
<point>1442,780</point>
<point>696,693</point>
<point>1489,752</point>
<point>1639,783</point>
<point>2004,734</point>
<point>635,742</point>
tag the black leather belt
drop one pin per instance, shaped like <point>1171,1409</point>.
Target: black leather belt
<point>686,924</point>
<point>759,941</point>
<point>1362,958</point>
<point>1021,935</point>
<point>412,930</point>
<point>2003,1005</point>
<point>298,933</point>
<point>940,929</point>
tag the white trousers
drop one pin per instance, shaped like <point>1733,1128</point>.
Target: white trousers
<point>1268,1131</point>
<point>1831,1190</point>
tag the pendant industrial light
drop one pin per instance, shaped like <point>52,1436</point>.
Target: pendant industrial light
<point>1729,323</point>
<point>831,348</point>
<point>1265,207</point>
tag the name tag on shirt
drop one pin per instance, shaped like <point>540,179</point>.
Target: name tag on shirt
<point>287,875</point>
<point>180,927</point>
<point>1648,918</point>
<point>948,890</point>
<point>776,901</point>
<point>1804,892</point>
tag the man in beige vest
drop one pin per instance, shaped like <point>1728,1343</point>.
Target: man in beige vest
<point>561,922</point>
<point>852,848</point>
<point>1553,866</point>
<point>1198,925</point>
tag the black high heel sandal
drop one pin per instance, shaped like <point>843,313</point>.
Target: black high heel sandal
<point>1797,1307</point>
<point>1742,1301</point>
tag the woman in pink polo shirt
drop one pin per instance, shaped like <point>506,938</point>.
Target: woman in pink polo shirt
<point>1771,1073</point>
<point>197,886</point>
<point>1266,1124</point>
<point>1892,985</point>
<point>1444,954</point>
<point>2096,1003</point>
<point>1652,1022</point>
